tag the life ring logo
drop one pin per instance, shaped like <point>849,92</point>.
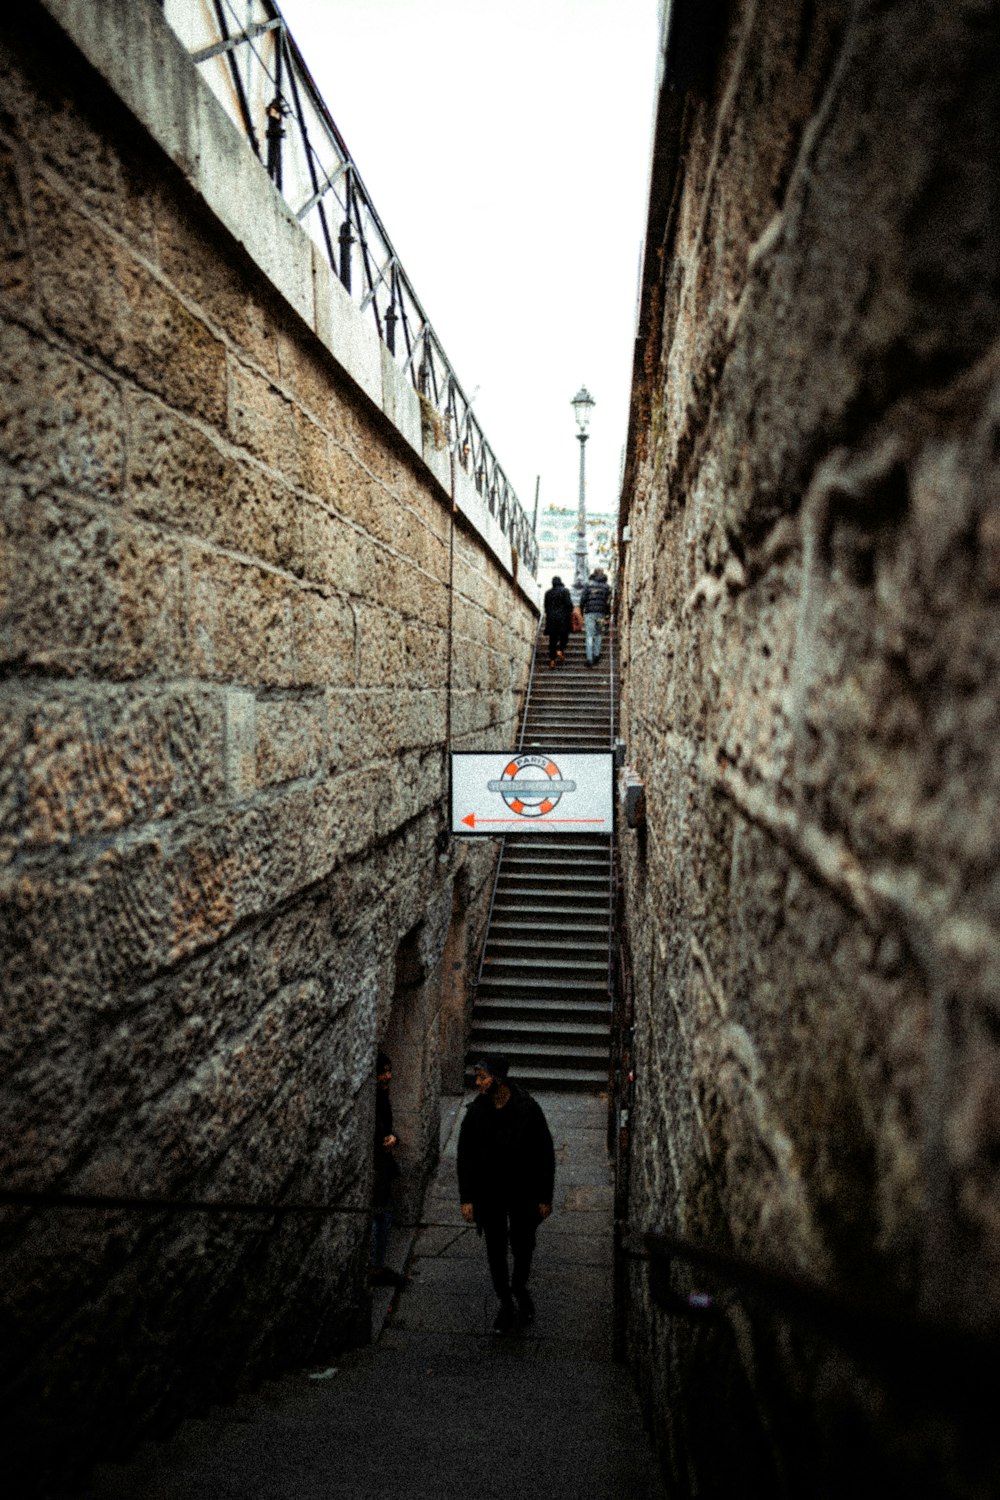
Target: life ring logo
<point>531,785</point>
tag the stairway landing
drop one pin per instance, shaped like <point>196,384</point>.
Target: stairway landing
<point>438,1402</point>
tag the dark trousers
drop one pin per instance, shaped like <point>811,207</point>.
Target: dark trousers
<point>381,1224</point>
<point>557,641</point>
<point>515,1225</point>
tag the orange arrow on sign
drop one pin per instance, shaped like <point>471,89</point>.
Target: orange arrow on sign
<point>470,819</point>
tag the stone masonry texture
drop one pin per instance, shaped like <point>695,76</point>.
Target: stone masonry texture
<point>226,643</point>
<point>811,657</point>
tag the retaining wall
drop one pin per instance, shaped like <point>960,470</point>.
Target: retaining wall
<point>239,613</point>
<point>810,654</point>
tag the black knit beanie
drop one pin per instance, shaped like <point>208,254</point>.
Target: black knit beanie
<point>495,1065</point>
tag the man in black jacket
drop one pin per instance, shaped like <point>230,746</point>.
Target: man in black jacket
<point>595,603</point>
<point>506,1174</point>
<point>558,606</point>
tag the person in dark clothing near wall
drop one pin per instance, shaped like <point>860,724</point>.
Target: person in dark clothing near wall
<point>595,603</point>
<point>386,1172</point>
<point>558,605</point>
<point>506,1174</point>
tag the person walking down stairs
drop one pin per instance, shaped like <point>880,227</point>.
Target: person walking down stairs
<point>595,602</point>
<point>506,1174</point>
<point>558,604</point>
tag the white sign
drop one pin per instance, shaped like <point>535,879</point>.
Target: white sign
<point>536,791</point>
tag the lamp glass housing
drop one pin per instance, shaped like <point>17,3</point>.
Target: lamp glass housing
<point>582,404</point>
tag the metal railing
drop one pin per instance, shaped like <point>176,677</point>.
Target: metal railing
<point>866,1328</point>
<point>247,55</point>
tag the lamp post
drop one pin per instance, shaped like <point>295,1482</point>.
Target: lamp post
<point>582,403</point>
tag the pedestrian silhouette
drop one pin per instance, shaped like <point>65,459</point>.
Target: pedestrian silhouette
<point>595,602</point>
<point>506,1174</point>
<point>386,1172</point>
<point>558,605</point>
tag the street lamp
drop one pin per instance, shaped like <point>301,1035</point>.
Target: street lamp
<point>582,404</point>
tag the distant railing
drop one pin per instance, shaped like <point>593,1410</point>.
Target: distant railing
<point>245,52</point>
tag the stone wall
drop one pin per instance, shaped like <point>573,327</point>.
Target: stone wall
<point>229,648</point>
<point>811,658</point>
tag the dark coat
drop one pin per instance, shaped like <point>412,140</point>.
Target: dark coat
<point>558,603</point>
<point>596,597</point>
<point>505,1156</point>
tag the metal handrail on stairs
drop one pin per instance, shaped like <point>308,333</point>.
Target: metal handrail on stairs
<point>531,683</point>
<point>611,844</point>
<point>247,56</point>
<point>503,840</point>
<point>846,1318</point>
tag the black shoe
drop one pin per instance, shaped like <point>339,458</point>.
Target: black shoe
<point>384,1277</point>
<point>525,1306</point>
<point>505,1318</point>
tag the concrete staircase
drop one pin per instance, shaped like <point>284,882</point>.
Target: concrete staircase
<point>543,997</point>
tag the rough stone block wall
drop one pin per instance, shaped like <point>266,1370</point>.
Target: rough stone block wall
<point>226,641</point>
<point>811,658</point>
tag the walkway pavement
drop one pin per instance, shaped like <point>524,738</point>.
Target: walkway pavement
<point>438,1406</point>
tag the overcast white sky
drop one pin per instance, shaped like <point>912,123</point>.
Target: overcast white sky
<point>506,148</point>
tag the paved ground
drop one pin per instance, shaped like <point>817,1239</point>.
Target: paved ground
<point>438,1406</point>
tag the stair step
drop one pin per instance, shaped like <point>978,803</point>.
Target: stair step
<point>556,1050</point>
<point>506,979</point>
<point>528,973</point>
<point>564,847</point>
<point>533,915</point>
<point>581,938</point>
<point>590,862</point>
<point>557,885</point>
<point>562,740</point>
<point>590,959</point>
<point>592,865</point>
<point>542,1029</point>
<point>580,744</point>
<point>556,728</point>
<point>559,899</point>
<point>530,991</point>
<point>516,945</point>
<point>569,962</point>
<point>537,1080</point>
<point>545,1005</point>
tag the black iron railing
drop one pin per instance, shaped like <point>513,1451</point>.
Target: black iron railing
<point>245,52</point>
